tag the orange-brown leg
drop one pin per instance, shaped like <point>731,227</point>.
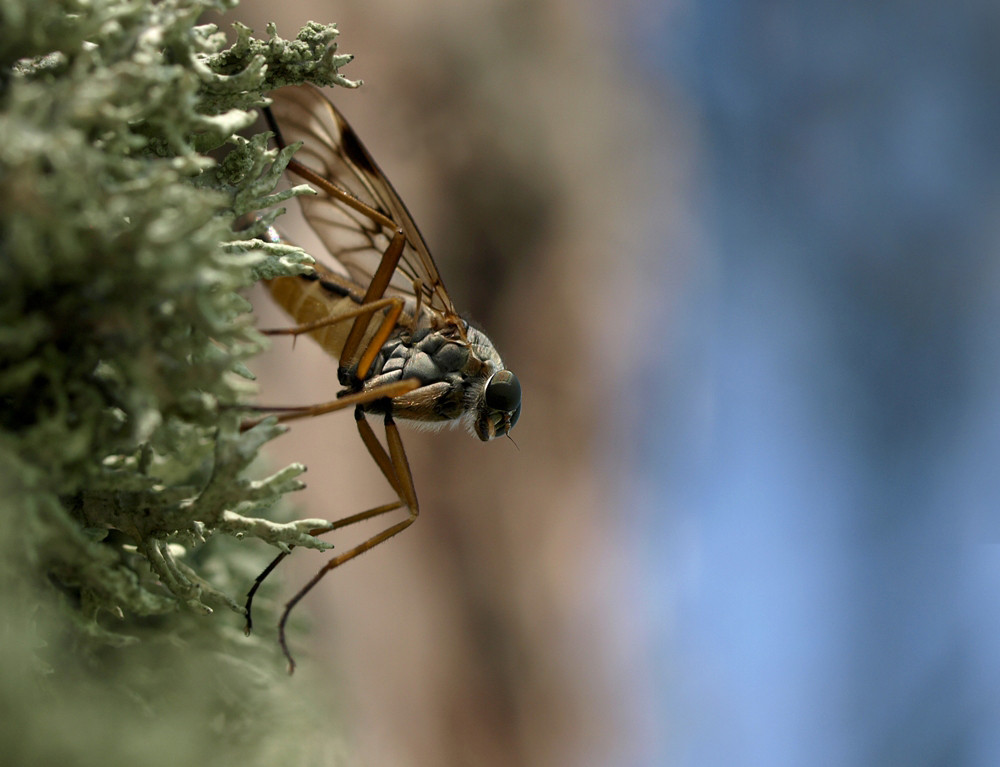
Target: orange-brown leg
<point>376,290</point>
<point>395,306</point>
<point>345,522</point>
<point>393,464</point>
<point>388,466</point>
<point>396,470</point>
<point>373,302</point>
<point>291,413</point>
<point>294,412</point>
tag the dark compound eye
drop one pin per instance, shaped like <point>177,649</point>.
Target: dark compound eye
<point>503,392</point>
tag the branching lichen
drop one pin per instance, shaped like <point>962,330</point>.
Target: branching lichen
<point>124,340</point>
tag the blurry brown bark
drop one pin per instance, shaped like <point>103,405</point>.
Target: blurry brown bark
<point>489,632</point>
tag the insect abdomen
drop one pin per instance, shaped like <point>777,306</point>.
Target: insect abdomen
<point>314,299</point>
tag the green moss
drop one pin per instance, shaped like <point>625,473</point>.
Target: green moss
<point>128,491</point>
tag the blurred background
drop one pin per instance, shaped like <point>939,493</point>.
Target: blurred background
<point>743,258</point>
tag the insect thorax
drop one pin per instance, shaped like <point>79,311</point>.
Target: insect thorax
<point>438,359</point>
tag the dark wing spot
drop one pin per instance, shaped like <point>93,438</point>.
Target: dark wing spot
<point>355,151</point>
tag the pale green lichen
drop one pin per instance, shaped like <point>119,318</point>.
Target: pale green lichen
<point>128,489</point>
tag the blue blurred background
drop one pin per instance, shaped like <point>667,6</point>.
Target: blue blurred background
<point>830,439</point>
<point>743,256</point>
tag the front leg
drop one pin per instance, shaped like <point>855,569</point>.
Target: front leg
<point>396,469</point>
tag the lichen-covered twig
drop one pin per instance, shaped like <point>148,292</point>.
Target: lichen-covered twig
<point>124,341</point>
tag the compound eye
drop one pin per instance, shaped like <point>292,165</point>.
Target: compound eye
<point>503,392</point>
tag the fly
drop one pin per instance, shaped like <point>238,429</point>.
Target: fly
<point>404,352</point>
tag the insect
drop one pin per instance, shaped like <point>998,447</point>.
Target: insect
<point>383,312</point>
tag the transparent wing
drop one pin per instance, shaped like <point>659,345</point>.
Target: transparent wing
<point>357,239</point>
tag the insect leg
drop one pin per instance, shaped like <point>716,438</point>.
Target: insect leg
<point>376,289</point>
<point>385,464</point>
<point>248,607</point>
<point>387,391</point>
<point>336,525</point>
<point>394,306</point>
<point>396,470</point>
<point>294,412</point>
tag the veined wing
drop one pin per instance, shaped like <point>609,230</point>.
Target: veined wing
<point>334,154</point>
